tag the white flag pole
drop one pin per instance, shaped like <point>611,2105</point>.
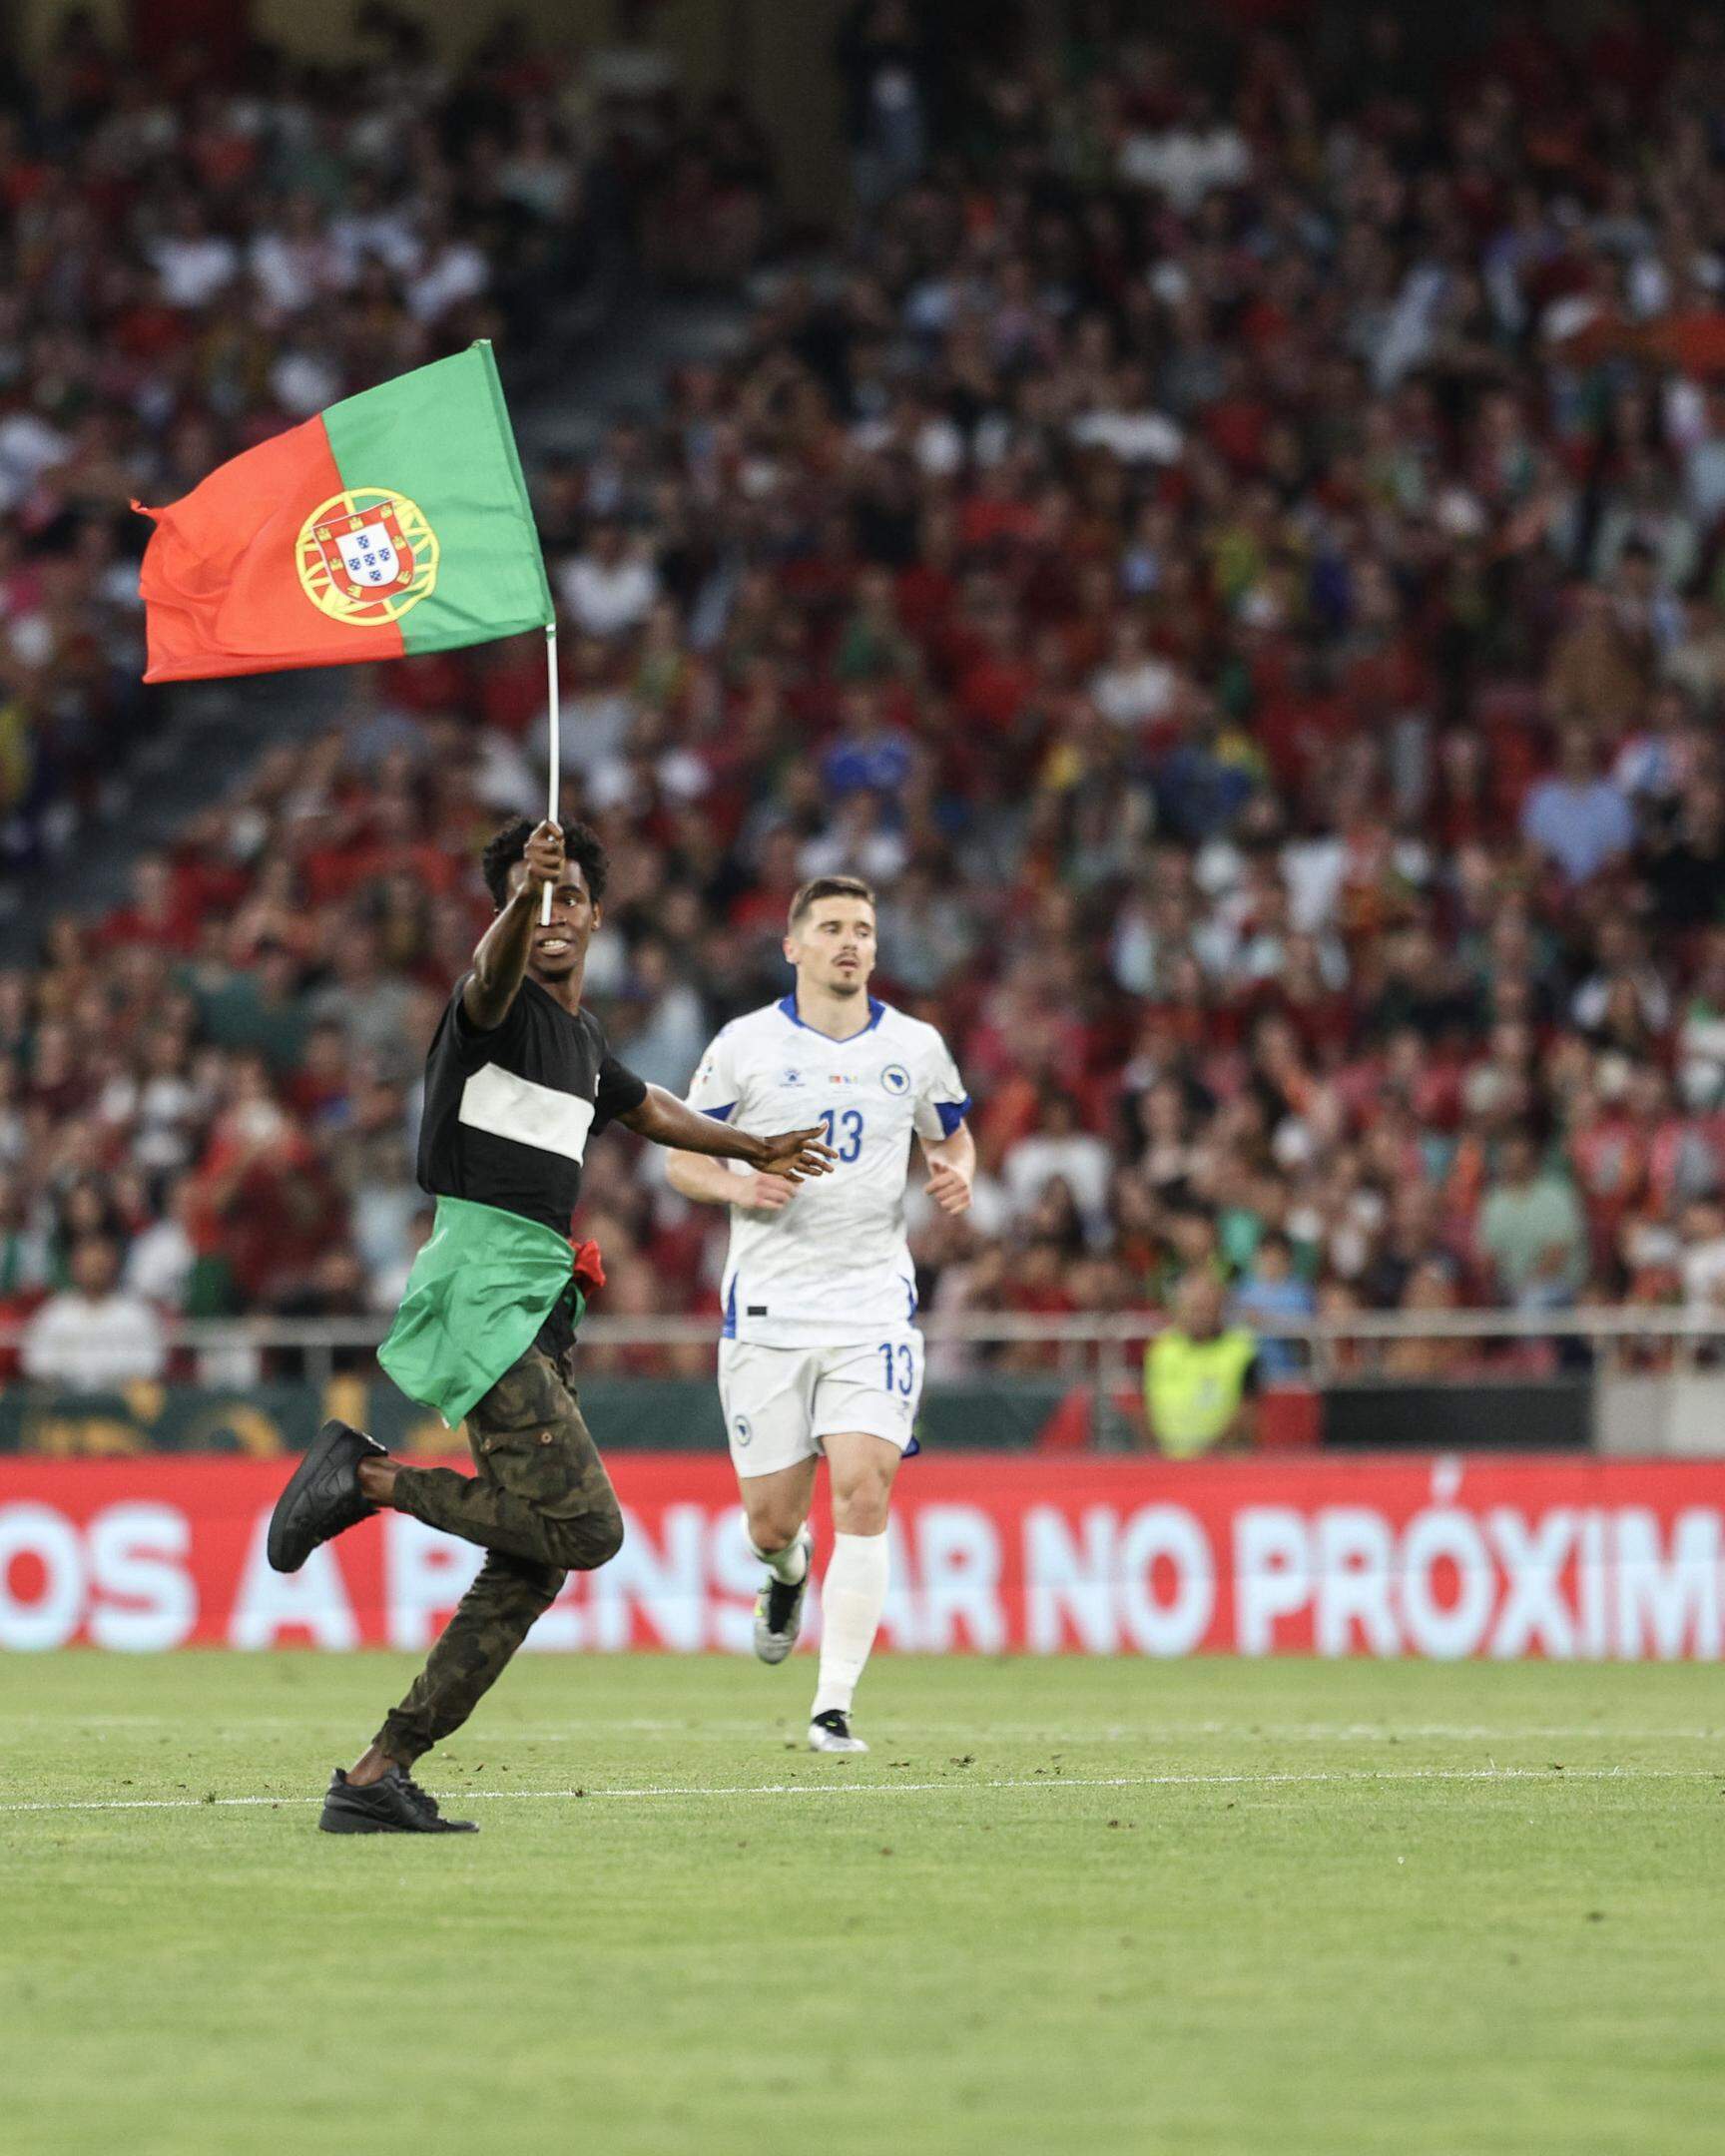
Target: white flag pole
<point>556,778</point>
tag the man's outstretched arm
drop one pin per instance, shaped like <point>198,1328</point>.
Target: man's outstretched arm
<point>669,1122</point>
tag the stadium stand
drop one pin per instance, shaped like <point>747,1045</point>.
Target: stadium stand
<point>1231,549</point>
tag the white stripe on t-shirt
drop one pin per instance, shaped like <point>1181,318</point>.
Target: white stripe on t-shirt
<point>509,1106</point>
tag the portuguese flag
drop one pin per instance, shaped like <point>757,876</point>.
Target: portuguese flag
<point>397,521</point>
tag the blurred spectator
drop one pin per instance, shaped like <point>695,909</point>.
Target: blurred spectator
<point>26,1248</point>
<point>1201,1377</point>
<point>1060,1147</point>
<point>1430,1289</point>
<point>94,1336</point>
<point>1270,1292</point>
<point>884,67</point>
<point>162,1261</point>
<point>1531,1229</point>
<point>1703,1259</point>
<point>608,588</point>
<point>1576,819</point>
<point>371,1006</point>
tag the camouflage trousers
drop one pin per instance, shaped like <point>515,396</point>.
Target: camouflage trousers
<point>541,1506</point>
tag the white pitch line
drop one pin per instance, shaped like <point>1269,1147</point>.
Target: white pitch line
<point>1406,1732</point>
<point>907,1789</point>
<point>716,1732</point>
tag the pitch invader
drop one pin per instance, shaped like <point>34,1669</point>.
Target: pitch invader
<point>819,1353</point>
<point>518,1079</point>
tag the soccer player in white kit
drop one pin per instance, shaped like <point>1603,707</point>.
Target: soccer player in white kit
<point>819,1353</point>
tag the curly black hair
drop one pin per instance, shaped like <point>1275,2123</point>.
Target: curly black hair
<point>581,845</point>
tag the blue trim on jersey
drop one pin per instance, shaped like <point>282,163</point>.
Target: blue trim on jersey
<point>951,1114</point>
<point>729,1330</point>
<point>787,1004</point>
<point>722,1115</point>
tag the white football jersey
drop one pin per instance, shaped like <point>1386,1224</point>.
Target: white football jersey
<point>834,1265</point>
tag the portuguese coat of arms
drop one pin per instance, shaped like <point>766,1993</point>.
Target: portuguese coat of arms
<point>366,556</point>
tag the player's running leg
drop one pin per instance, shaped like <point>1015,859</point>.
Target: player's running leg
<point>861,1468</point>
<point>541,1503</point>
<point>766,1394</point>
<point>776,1513</point>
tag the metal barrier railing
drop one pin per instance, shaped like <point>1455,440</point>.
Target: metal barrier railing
<point>1103,1347</point>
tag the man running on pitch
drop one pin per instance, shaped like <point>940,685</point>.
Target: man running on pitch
<point>819,1351</point>
<point>517,1080</point>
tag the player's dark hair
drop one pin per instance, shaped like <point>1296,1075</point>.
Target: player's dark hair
<point>581,845</point>
<point>830,886</point>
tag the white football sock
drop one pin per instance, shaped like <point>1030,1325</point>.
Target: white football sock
<point>852,1595</point>
<point>787,1565</point>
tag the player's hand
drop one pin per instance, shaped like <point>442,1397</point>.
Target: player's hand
<point>544,856</point>
<point>764,1193</point>
<point>794,1154</point>
<point>949,1190</point>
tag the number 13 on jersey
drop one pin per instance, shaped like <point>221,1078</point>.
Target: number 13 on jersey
<point>844,1129</point>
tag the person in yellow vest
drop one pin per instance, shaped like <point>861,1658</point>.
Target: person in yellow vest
<point>1200,1375</point>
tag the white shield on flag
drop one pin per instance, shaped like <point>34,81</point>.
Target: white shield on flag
<point>370,557</point>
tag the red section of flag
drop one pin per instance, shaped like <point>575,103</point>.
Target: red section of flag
<point>221,579</point>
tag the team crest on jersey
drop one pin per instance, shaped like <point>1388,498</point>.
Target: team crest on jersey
<point>744,1430</point>
<point>896,1078</point>
<point>793,1078</point>
<point>366,556</point>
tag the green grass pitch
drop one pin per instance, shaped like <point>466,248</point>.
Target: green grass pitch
<point>1220,1908</point>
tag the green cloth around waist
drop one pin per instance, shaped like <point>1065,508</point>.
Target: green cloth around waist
<point>477,1295</point>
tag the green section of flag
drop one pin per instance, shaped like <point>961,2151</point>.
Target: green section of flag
<point>477,1295</point>
<point>441,437</point>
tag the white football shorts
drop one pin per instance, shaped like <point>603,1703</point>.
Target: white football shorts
<point>780,1403</point>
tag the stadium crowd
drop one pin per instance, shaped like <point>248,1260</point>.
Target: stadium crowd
<point>1230,545</point>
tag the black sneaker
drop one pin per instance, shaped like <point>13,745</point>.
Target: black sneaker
<point>830,1732</point>
<point>323,1495</point>
<point>393,1805</point>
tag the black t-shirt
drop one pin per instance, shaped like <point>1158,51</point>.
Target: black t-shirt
<point>508,1113</point>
